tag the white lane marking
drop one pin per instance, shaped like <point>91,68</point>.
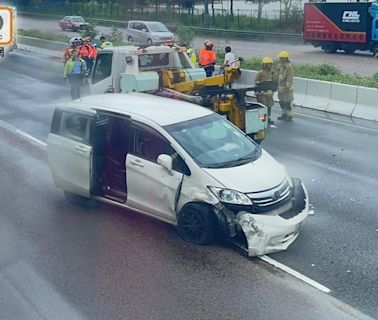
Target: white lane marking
<point>28,136</point>
<point>295,274</point>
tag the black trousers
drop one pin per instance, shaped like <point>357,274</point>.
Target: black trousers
<point>209,70</point>
<point>76,80</point>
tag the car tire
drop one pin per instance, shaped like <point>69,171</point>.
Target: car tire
<point>196,224</point>
<point>130,39</point>
<point>75,198</point>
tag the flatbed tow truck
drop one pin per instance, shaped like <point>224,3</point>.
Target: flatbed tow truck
<point>167,71</point>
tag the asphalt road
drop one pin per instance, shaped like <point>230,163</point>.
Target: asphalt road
<point>361,63</point>
<point>106,263</point>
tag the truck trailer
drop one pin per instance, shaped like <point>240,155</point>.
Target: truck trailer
<point>347,26</point>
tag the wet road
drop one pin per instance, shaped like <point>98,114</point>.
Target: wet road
<point>105,263</point>
<point>361,63</point>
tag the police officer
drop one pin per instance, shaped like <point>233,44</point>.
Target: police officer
<point>265,75</point>
<point>285,75</point>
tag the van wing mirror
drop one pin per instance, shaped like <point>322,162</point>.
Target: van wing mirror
<point>165,161</point>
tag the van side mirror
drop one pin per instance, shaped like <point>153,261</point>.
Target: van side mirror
<point>165,161</point>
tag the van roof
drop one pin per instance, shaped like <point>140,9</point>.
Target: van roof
<point>163,111</point>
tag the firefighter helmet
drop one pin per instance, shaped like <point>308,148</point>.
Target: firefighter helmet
<point>267,60</point>
<point>283,54</point>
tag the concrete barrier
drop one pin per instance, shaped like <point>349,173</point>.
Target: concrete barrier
<point>247,77</point>
<point>300,91</point>
<point>343,99</point>
<point>318,94</point>
<point>367,104</point>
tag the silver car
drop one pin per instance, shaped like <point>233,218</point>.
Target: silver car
<point>148,32</point>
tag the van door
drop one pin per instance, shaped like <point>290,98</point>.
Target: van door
<point>151,187</point>
<point>102,75</point>
<point>375,30</point>
<point>69,150</point>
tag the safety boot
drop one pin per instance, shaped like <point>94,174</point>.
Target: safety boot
<point>282,117</point>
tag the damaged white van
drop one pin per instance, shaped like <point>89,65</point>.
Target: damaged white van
<point>177,162</point>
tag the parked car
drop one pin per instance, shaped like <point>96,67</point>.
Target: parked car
<point>177,162</point>
<point>73,23</point>
<point>148,32</point>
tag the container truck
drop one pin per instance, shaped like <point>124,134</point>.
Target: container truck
<point>347,26</point>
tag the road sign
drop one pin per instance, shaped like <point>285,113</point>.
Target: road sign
<point>6,25</point>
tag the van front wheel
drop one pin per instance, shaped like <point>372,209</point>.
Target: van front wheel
<point>196,224</point>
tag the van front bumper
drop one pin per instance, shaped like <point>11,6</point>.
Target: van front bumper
<point>272,233</point>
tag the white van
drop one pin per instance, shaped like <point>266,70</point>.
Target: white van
<point>177,162</point>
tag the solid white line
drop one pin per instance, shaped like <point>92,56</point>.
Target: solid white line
<point>295,274</point>
<point>28,136</point>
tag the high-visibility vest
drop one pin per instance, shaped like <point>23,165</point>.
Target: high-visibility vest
<point>206,57</point>
<point>192,55</point>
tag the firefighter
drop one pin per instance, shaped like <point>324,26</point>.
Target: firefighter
<point>105,43</point>
<point>88,53</point>
<point>74,43</point>
<point>263,76</point>
<point>74,71</point>
<point>285,75</point>
<point>207,58</point>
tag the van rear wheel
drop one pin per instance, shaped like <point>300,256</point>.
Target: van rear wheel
<point>196,224</point>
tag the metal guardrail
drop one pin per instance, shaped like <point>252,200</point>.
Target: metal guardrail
<point>229,34</point>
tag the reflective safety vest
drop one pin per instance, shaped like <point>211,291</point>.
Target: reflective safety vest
<point>192,55</point>
<point>106,44</point>
<point>206,57</point>
<point>88,51</point>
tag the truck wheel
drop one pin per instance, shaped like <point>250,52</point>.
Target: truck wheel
<point>375,50</point>
<point>195,224</point>
<point>330,47</point>
<point>349,51</point>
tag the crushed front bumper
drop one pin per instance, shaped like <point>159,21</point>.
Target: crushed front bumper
<point>271,233</point>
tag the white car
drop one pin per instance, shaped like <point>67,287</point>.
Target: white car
<point>177,162</point>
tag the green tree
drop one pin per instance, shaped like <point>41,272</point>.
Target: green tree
<point>260,5</point>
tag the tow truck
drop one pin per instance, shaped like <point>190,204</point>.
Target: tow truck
<point>167,71</point>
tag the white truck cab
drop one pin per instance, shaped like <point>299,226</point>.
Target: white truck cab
<point>129,68</point>
<point>176,162</point>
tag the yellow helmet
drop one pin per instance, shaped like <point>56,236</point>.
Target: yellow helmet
<point>283,54</point>
<point>267,60</point>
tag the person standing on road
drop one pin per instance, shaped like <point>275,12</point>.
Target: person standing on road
<point>75,70</point>
<point>88,53</point>
<point>265,76</point>
<point>207,58</point>
<point>74,43</point>
<point>105,43</point>
<point>285,78</point>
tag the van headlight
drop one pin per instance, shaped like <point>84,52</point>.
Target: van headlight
<point>231,196</point>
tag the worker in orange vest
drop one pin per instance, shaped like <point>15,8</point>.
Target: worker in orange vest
<point>207,58</point>
<point>88,53</point>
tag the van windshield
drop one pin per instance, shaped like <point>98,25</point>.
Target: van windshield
<point>213,142</point>
<point>157,27</point>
